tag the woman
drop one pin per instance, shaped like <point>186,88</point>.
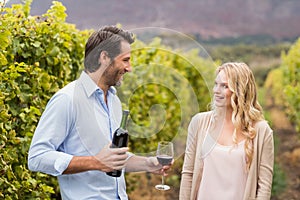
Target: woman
<point>230,151</point>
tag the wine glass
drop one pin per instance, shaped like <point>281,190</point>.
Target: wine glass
<point>164,155</point>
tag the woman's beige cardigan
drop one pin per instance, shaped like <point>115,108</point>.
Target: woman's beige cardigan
<point>259,181</point>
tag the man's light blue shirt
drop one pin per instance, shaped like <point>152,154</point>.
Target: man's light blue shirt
<point>75,123</point>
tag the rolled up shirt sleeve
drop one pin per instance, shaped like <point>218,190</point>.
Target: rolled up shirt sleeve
<point>46,153</point>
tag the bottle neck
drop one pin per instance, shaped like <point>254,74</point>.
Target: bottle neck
<point>124,119</point>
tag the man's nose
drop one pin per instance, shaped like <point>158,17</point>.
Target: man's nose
<point>128,68</point>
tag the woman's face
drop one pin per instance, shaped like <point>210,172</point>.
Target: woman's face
<point>221,91</point>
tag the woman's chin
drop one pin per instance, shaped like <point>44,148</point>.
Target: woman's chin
<point>219,104</point>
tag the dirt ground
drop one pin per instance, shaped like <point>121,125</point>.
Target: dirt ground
<point>145,189</point>
<point>287,154</point>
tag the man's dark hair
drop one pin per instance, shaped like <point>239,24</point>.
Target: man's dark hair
<point>107,38</point>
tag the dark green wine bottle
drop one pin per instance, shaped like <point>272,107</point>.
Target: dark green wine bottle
<point>120,139</point>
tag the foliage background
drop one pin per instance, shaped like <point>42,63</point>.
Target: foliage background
<point>291,80</point>
<point>38,56</point>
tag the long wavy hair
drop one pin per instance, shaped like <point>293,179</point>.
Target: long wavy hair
<point>246,109</point>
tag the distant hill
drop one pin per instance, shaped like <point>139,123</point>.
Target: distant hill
<point>207,18</point>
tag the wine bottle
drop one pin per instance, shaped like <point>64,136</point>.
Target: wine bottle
<point>120,139</point>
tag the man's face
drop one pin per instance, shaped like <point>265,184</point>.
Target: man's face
<point>114,73</point>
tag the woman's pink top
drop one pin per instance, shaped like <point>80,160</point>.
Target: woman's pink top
<point>224,173</point>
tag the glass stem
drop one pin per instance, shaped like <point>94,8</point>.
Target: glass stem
<point>162,180</point>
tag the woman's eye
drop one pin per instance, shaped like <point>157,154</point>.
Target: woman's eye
<point>220,85</point>
<point>224,86</point>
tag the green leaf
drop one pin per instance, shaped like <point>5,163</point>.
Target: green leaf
<point>54,51</point>
<point>4,38</point>
<point>3,60</point>
<point>36,44</point>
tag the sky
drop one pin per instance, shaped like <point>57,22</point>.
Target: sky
<point>1,1</point>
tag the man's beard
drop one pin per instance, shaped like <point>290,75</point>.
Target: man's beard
<point>118,83</point>
<point>112,77</point>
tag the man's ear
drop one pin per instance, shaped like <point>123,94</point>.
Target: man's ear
<point>104,59</point>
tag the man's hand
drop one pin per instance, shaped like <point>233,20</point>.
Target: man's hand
<point>156,168</point>
<point>112,158</point>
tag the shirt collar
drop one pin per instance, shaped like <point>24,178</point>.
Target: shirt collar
<point>90,86</point>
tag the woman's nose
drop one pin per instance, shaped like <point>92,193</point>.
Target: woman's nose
<point>216,89</point>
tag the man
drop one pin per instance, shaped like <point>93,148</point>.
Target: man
<point>72,140</point>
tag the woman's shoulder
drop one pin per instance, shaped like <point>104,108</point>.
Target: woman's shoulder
<point>263,126</point>
<point>201,117</point>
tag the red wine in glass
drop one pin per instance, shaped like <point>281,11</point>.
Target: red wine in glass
<point>164,159</point>
<point>164,155</point>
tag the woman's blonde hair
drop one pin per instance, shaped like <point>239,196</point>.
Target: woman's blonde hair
<point>246,109</point>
